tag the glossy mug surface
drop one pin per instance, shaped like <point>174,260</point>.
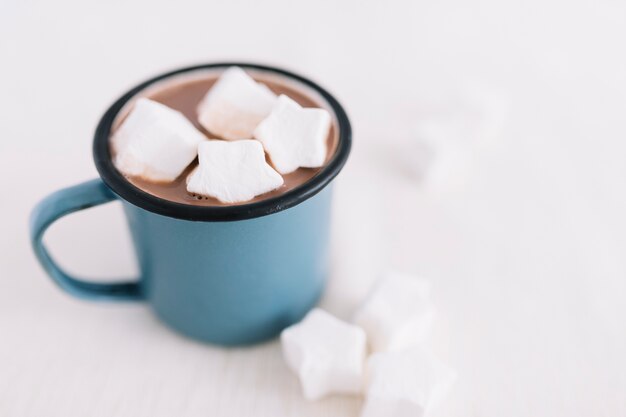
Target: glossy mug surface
<point>226,275</point>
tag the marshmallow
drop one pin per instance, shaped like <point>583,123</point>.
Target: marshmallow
<point>232,172</point>
<point>397,314</point>
<point>155,142</point>
<point>326,353</point>
<point>451,131</point>
<point>235,105</point>
<point>405,384</point>
<point>437,157</point>
<point>294,136</point>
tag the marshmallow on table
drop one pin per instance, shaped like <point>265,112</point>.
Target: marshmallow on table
<point>437,155</point>
<point>294,136</point>
<point>235,105</point>
<point>451,132</point>
<point>405,384</point>
<point>232,172</point>
<point>326,353</point>
<point>397,314</point>
<point>155,142</point>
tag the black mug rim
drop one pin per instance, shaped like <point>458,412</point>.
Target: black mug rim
<point>130,193</point>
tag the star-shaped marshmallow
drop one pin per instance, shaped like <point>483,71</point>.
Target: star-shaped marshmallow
<point>235,105</point>
<point>155,142</point>
<point>294,136</point>
<point>232,172</point>
<point>326,354</point>
<point>407,383</point>
<point>397,314</point>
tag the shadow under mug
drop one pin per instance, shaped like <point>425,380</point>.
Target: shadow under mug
<point>226,275</point>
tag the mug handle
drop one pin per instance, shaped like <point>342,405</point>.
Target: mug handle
<point>61,203</point>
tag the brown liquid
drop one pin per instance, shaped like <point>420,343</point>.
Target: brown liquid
<point>185,96</point>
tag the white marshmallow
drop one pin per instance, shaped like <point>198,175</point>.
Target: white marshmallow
<point>397,314</point>
<point>438,159</point>
<point>405,384</point>
<point>294,136</point>
<point>451,131</point>
<point>326,353</point>
<point>232,172</point>
<point>155,142</point>
<point>235,105</point>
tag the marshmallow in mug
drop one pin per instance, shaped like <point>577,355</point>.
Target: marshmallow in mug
<point>326,354</point>
<point>235,105</point>
<point>294,136</point>
<point>397,314</point>
<point>155,142</point>
<point>232,172</point>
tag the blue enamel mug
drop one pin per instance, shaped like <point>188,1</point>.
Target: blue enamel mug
<point>227,275</point>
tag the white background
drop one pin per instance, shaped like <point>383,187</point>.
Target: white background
<point>527,257</point>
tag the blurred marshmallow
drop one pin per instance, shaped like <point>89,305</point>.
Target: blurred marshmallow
<point>155,142</point>
<point>232,172</point>
<point>450,130</point>
<point>405,384</point>
<point>235,105</point>
<point>326,353</point>
<point>294,136</point>
<point>397,314</point>
<point>438,156</point>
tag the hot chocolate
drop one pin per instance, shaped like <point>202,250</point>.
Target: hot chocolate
<point>184,95</point>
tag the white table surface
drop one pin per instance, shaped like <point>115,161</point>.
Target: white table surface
<point>527,257</point>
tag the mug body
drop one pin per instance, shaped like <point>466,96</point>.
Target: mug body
<point>235,282</point>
